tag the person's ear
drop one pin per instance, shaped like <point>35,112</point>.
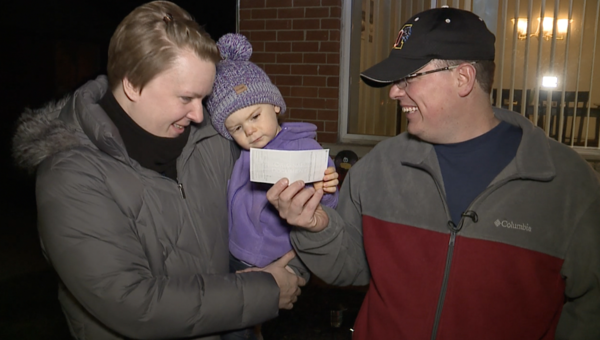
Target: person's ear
<point>130,91</point>
<point>277,109</point>
<point>467,75</point>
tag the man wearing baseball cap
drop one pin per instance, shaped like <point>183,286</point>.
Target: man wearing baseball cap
<point>471,225</point>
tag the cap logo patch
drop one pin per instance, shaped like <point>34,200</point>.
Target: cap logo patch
<point>240,88</point>
<point>403,36</point>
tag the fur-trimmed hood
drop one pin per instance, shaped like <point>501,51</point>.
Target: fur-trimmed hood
<point>41,134</point>
<point>68,123</point>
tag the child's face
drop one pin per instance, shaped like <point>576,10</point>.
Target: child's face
<point>254,126</point>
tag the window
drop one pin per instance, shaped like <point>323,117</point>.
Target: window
<point>549,49</point>
<point>545,56</point>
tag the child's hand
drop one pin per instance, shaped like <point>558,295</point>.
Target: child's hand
<point>330,181</point>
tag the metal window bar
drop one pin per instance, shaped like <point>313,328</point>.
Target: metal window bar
<point>581,30</point>
<point>548,113</point>
<point>513,69</point>
<point>526,58</point>
<point>501,64</point>
<point>589,107</point>
<point>564,76</point>
<point>536,95</point>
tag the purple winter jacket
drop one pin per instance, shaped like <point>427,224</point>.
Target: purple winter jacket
<point>257,235</point>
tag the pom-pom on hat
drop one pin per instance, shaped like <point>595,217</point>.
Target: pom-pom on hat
<point>239,83</point>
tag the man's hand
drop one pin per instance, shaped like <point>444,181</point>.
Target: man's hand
<point>289,283</point>
<point>298,205</point>
<point>330,181</point>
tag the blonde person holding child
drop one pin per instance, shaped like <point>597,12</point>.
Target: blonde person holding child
<point>244,106</point>
<point>131,193</point>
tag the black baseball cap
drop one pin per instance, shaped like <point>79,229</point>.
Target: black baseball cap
<point>440,33</point>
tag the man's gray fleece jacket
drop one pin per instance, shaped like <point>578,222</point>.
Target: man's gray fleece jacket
<point>139,255</point>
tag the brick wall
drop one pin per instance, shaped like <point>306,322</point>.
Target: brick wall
<point>297,43</point>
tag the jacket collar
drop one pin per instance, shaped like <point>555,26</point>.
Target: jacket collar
<point>532,161</point>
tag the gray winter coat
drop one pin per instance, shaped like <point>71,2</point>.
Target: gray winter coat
<point>139,255</point>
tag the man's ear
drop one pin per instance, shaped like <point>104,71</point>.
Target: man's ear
<point>130,91</point>
<point>467,75</point>
<point>277,109</point>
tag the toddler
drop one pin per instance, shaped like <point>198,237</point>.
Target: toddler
<point>244,106</point>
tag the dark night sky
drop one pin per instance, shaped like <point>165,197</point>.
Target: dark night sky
<point>41,41</point>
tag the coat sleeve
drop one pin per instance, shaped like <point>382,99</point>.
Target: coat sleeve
<point>336,254</point>
<point>580,318</point>
<point>100,258</point>
<point>299,268</point>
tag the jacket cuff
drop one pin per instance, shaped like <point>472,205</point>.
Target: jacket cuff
<point>331,231</point>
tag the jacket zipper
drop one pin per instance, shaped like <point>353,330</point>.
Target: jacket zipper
<point>453,232</point>
<point>181,163</point>
<point>438,313</point>
<point>181,191</point>
<point>187,210</point>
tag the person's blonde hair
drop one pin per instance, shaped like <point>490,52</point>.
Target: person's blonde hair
<point>150,38</point>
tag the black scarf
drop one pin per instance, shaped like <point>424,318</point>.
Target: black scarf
<point>155,153</point>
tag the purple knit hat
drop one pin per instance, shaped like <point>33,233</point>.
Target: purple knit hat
<point>239,83</point>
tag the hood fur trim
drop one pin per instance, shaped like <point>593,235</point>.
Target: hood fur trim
<point>41,134</point>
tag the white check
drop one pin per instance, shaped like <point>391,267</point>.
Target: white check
<point>269,166</point>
